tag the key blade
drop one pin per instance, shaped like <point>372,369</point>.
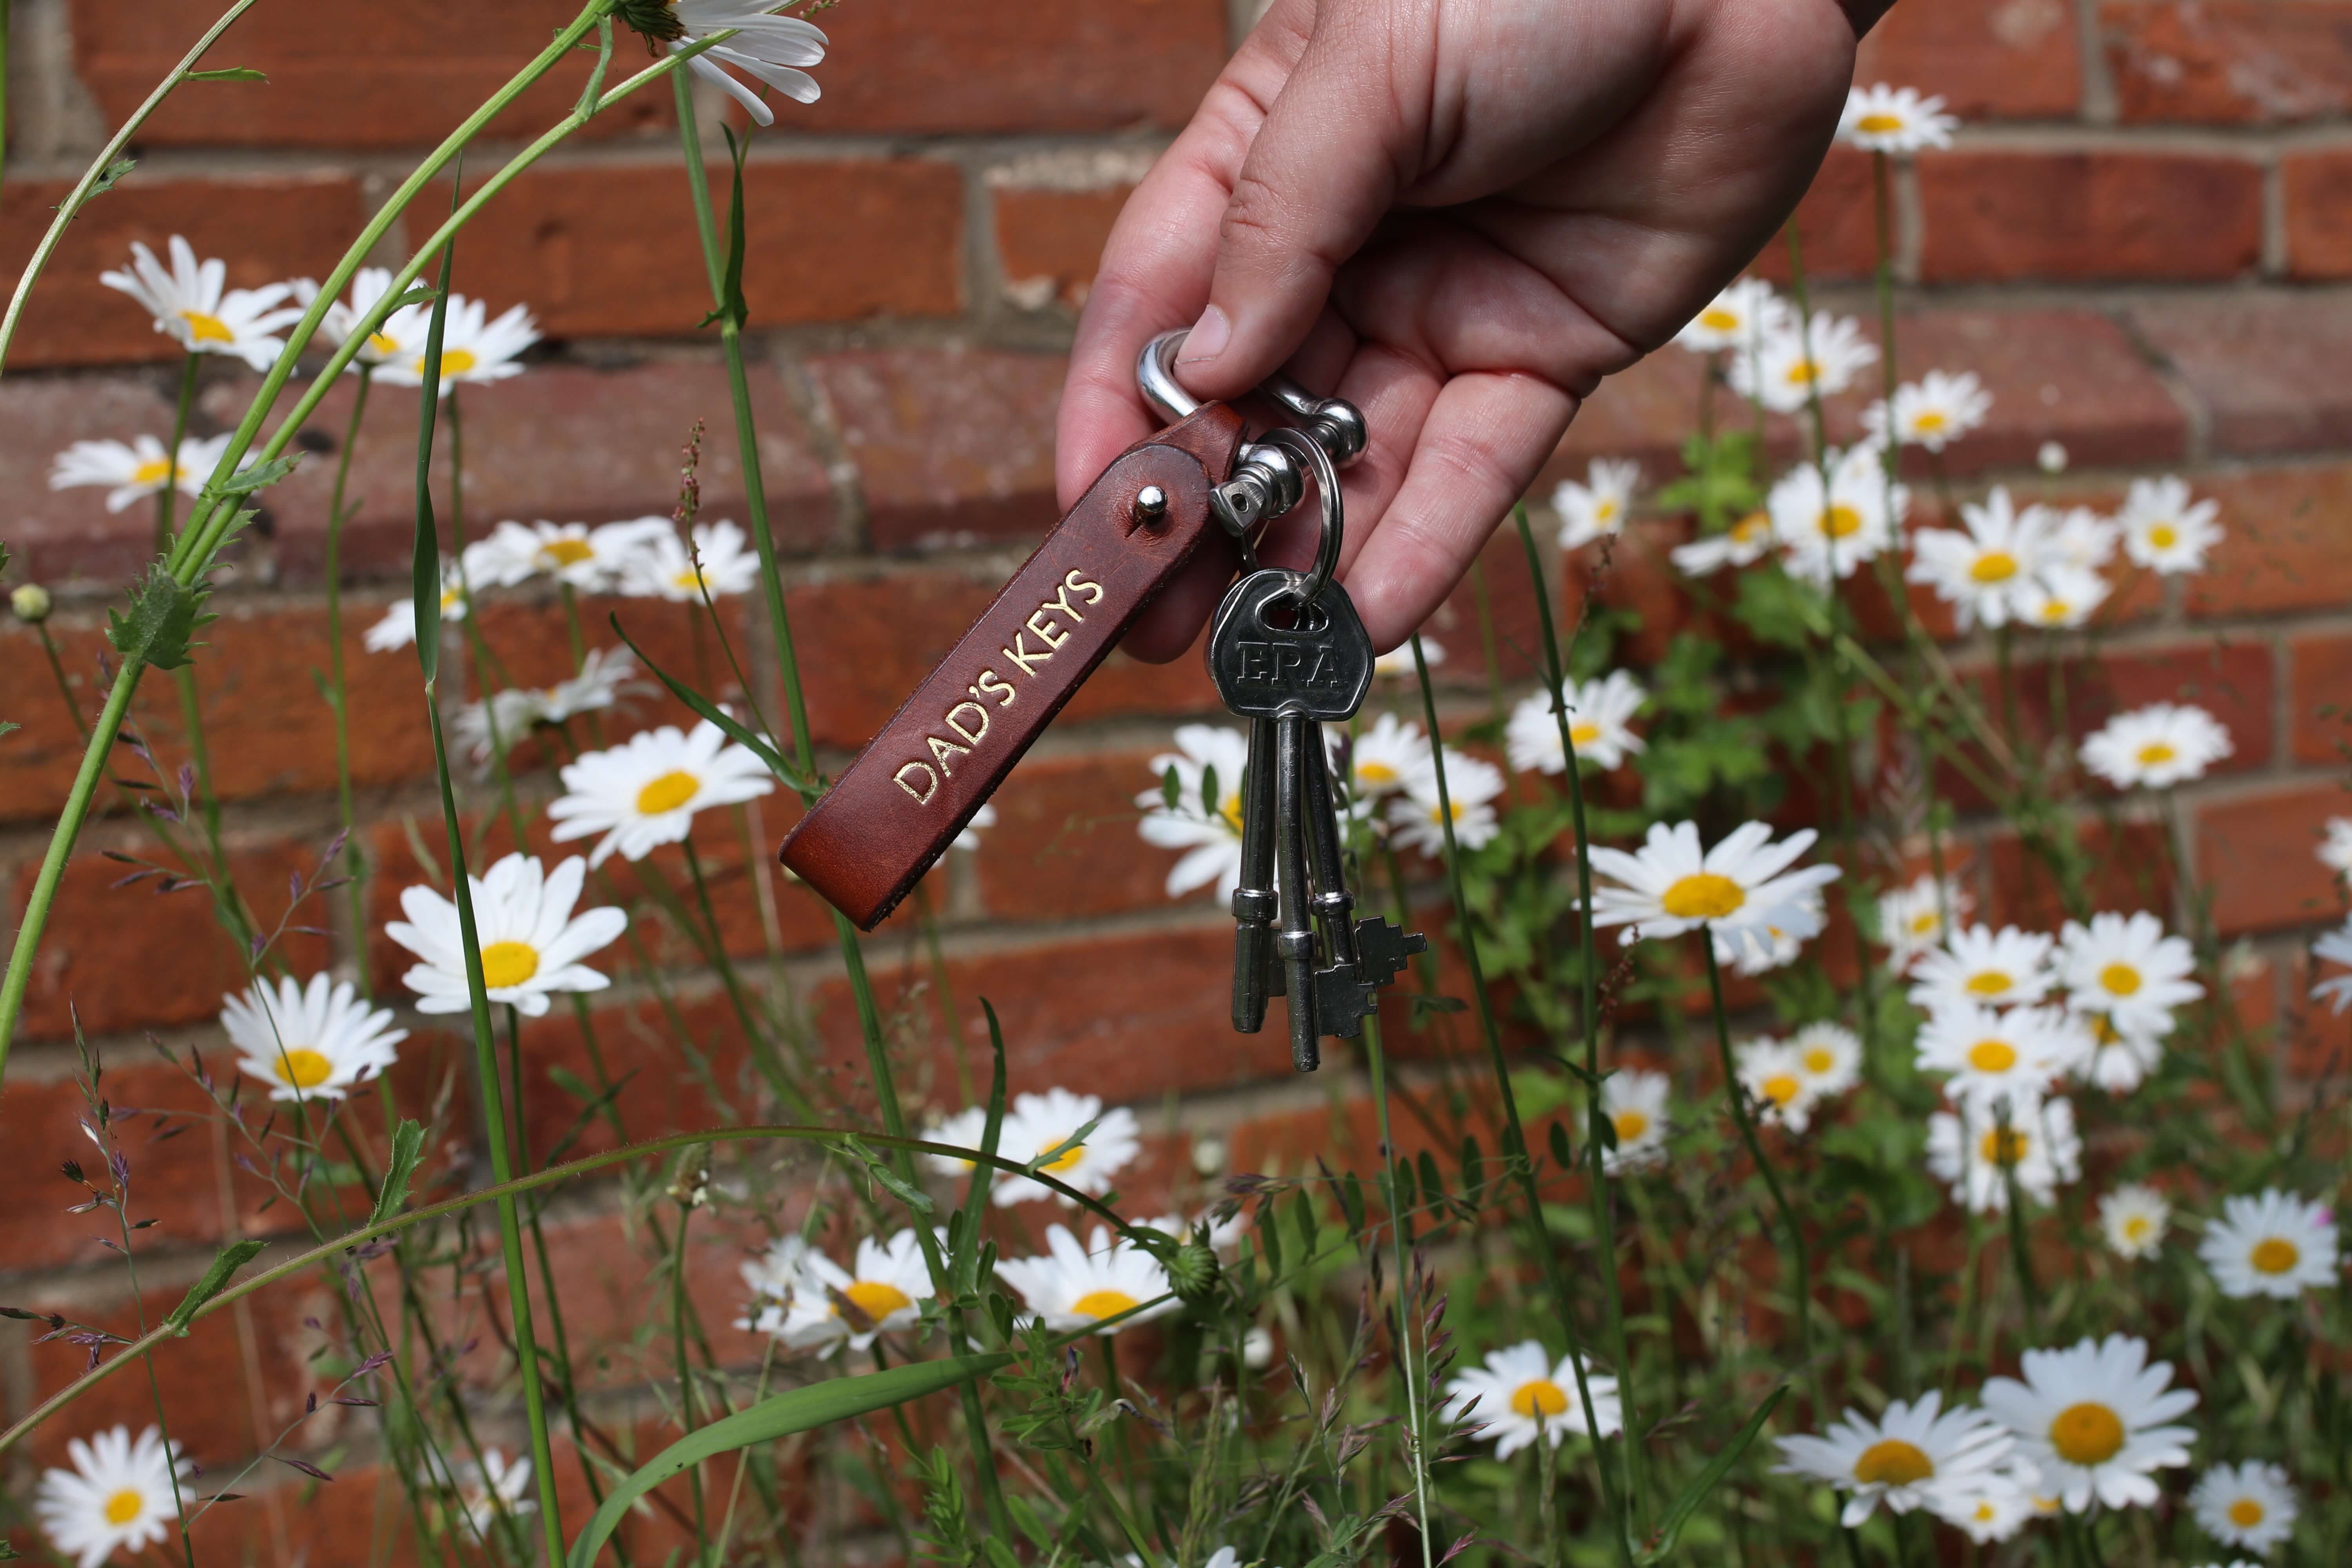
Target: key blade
<point>1343,1000</point>
<point>1383,949</point>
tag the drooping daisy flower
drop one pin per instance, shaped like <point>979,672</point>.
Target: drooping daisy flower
<point>118,1494</point>
<point>494,1486</point>
<point>398,627</point>
<point>2059,598</point>
<point>1855,521</point>
<point>1770,1076</point>
<point>2126,967</point>
<point>190,303</point>
<point>2015,1055</point>
<point>1913,1455</point>
<point>1911,919</point>
<point>1739,318</point>
<point>1635,1101</point>
<point>723,563</point>
<point>1789,366</point>
<point>308,1042</point>
<point>592,560</point>
<point>1669,887</point>
<point>2081,538</point>
<point>2273,1244</point>
<point>1040,1123</point>
<point>2334,850</point>
<point>1599,725</point>
<point>1396,663</point>
<point>495,725</point>
<point>1993,1506</point>
<point>767,48</point>
<point>1759,949</point>
<point>474,348</point>
<point>2334,947</point>
<point>532,943</point>
<point>344,316</point>
<point>2163,531</point>
<point>1383,760</point>
<point>1981,571</point>
<point>1521,1394</point>
<point>1971,1152</point>
<point>644,793</point>
<point>884,1289</point>
<point>1932,412</point>
<point>774,1279</point>
<point>2120,1060</point>
<point>2093,1418</point>
<point>1072,1287</point>
<point>2156,747</point>
<point>2133,1218</point>
<point>1830,1056</point>
<point>139,469</point>
<point>1206,819</point>
<point>1744,544</point>
<point>1598,508</point>
<point>2008,968</point>
<point>2251,1505</point>
<point>1885,118</point>
<point>1472,787</point>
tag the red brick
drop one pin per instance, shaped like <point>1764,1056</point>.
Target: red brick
<point>58,537</point>
<point>340,75</point>
<point>824,242</point>
<point>1065,846</point>
<point>1836,221</point>
<point>2317,191</point>
<point>1048,242</point>
<point>2128,868</point>
<point>2285,546</point>
<point>664,1089</point>
<point>1454,625</point>
<point>1645,413</point>
<point>2315,1038</point>
<point>2232,680</point>
<point>2319,698</point>
<point>904,66</point>
<point>2254,853</point>
<point>952,447</point>
<point>2266,371</point>
<point>2007,217</point>
<point>267,229</point>
<point>1988,59</point>
<point>2228,62</point>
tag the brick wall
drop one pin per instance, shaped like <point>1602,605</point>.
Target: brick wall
<point>2138,242</point>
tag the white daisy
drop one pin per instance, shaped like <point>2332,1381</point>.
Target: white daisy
<point>965,1130</point>
<point>1598,508</point>
<point>884,1286</point>
<point>2156,747</point>
<point>2038,1144</point>
<point>1599,725</point>
<point>2015,1055</point>
<point>1913,1455</point>
<point>493,1488</point>
<point>2051,458</point>
<point>118,1494</point>
<point>592,560</point>
<point>2133,1218</point>
<point>1885,118</point>
<point>1472,787</point>
<point>139,469</point>
<point>1977,965</point>
<point>1771,1076</point>
<point>2059,598</point>
<point>514,711</point>
<point>2120,1060</point>
<point>1039,1123</point>
<point>1760,949</point>
<point>722,562</point>
<point>308,1042</point>
<point>1396,663</point>
<point>1932,412</point>
<point>474,348</point>
<point>1830,1056</point>
<point>1635,1101</point>
<point>774,1278</point>
<point>1521,1394</point>
<point>2093,1419</point>
<point>1205,823</point>
<point>2273,1244</point>
<point>1669,887</point>
<point>1911,919</point>
<point>1855,521</point>
<point>344,316</point>
<point>2126,967</point>
<point>1739,317</point>
<point>767,48</point>
<point>2251,1505</point>
<point>398,627</point>
<point>2334,850</point>
<point>1382,761</point>
<point>2082,539</point>
<point>1980,572</point>
<point>531,944</point>
<point>644,793</point>
<point>2334,947</point>
<point>1993,1506</point>
<point>1073,1288</point>
<point>2163,531</point>
<point>1788,366</point>
<point>982,821</point>
<point>1744,544</point>
<point>190,304</point>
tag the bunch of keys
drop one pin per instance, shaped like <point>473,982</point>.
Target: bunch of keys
<point>1288,652</point>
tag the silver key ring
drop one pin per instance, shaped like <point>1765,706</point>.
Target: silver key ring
<point>1300,445</point>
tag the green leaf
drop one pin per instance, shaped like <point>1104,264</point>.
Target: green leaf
<point>234,73</point>
<point>1074,1141</point>
<point>595,87</point>
<point>234,1256</point>
<point>407,1145</point>
<point>163,616</point>
<point>734,731</point>
<point>260,476</point>
<point>1210,797</point>
<point>916,1200</point>
<point>731,307</point>
<point>105,181</point>
<point>802,1410</point>
<point>425,565</point>
<point>1678,1513</point>
<point>1171,788</point>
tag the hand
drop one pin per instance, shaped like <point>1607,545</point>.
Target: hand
<point>1459,215</point>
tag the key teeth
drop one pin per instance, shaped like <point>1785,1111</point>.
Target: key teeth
<point>1381,949</point>
<point>1343,1000</point>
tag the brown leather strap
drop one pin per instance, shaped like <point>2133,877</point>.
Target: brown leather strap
<point>910,792</point>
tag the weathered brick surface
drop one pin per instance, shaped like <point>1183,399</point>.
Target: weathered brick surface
<point>2009,218</point>
<point>2264,370</point>
<point>2234,62</point>
<point>2319,700</point>
<point>1988,59</point>
<point>1837,230</point>
<point>2255,851</point>
<point>2285,549</point>
<point>1048,242</point>
<point>2316,188</point>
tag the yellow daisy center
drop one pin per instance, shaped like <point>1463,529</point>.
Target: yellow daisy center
<point>154,471</point>
<point>456,362</point>
<point>877,1298</point>
<point>1702,896</point>
<point>2136,1227</point>
<point>508,963</point>
<point>568,552</point>
<point>125,1506</point>
<point>2087,1434</point>
<point>1584,734</point>
<point>1931,420</point>
<point>1984,1513</point>
<point>1892,1462</point>
<point>2156,753</point>
<point>1539,1397</point>
<point>1840,523</point>
<point>1068,1159</point>
<point>1879,124</point>
<point>1989,982</point>
<point>204,328</point>
<point>1630,1124</point>
<point>1802,373</point>
<point>1605,509</point>
<point>1231,812</point>
<point>2120,978</point>
<point>1101,1304</point>
<point>1716,318</point>
<point>1992,1056</point>
<point>303,1067</point>
<point>1751,528</point>
<point>1819,1059</point>
<point>1371,773</point>
<point>1781,1088</point>
<point>2246,1514</point>
<point>1922,924</point>
<point>667,793</point>
<point>2003,1146</point>
<point>383,345</point>
<point>1994,566</point>
<point>2164,536</point>
<point>2274,1254</point>
<point>2057,610</point>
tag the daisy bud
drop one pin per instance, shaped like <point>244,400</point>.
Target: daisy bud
<point>1193,1270</point>
<point>31,602</point>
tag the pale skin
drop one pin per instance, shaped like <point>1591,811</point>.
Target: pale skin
<point>1458,214</point>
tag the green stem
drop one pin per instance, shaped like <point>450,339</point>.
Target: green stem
<point>64,686</point>
<point>168,497</point>
<point>339,687</point>
<point>1800,1266</point>
<point>1376,1060</point>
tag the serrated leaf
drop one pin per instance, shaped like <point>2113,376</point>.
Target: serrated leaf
<point>231,73</point>
<point>234,1256</point>
<point>163,616</point>
<point>727,724</point>
<point>260,476</point>
<point>106,179</point>
<point>916,1200</point>
<point>399,1168</point>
